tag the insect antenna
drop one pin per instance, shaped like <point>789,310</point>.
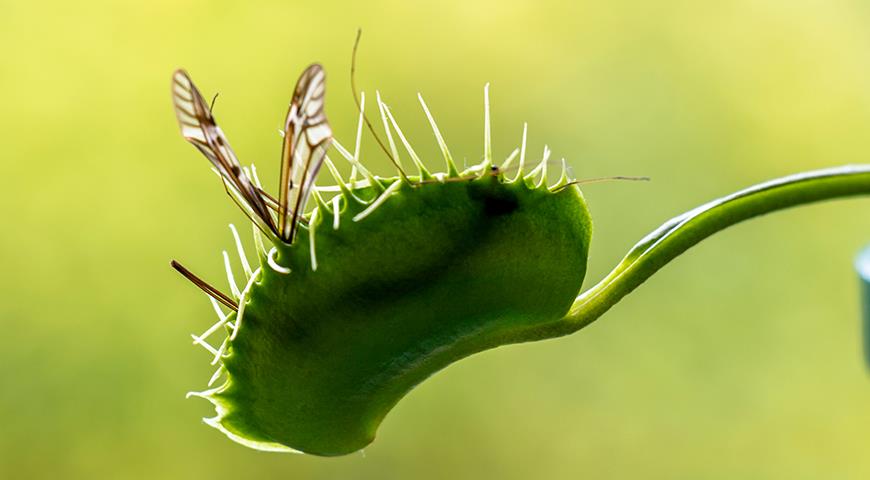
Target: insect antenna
<point>213,99</point>
<point>359,107</point>
<point>205,287</point>
<point>601,180</point>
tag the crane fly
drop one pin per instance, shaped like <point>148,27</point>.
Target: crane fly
<point>307,136</point>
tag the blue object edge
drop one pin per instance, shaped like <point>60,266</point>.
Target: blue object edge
<point>862,265</point>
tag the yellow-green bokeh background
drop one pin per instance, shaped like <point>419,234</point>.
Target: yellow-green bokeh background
<point>741,360</point>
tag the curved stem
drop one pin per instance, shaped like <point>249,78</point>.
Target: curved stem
<point>681,233</point>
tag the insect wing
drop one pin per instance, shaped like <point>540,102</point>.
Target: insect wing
<point>198,127</point>
<point>307,135</point>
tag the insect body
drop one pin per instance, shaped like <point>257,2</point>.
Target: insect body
<point>379,284</point>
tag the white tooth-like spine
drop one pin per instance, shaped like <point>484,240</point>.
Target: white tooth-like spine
<point>540,169</point>
<point>315,215</point>
<point>408,147</point>
<point>382,108</point>
<point>241,251</point>
<point>353,161</point>
<point>230,277</point>
<point>510,159</point>
<point>273,263</point>
<point>487,128</point>
<point>451,167</point>
<point>336,211</point>
<point>393,188</point>
<point>243,300</point>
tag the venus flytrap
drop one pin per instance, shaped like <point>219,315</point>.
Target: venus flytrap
<point>386,280</point>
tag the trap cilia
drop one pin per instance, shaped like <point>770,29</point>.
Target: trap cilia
<point>364,288</point>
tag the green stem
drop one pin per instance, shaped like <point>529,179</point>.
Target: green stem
<point>681,233</point>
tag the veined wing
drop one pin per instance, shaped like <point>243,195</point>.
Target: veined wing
<point>307,136</point>
<point>198,127</point>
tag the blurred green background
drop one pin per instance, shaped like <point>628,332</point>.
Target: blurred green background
<point>741,360</point>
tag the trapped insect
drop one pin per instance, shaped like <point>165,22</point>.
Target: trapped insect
<point>384,281</point>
